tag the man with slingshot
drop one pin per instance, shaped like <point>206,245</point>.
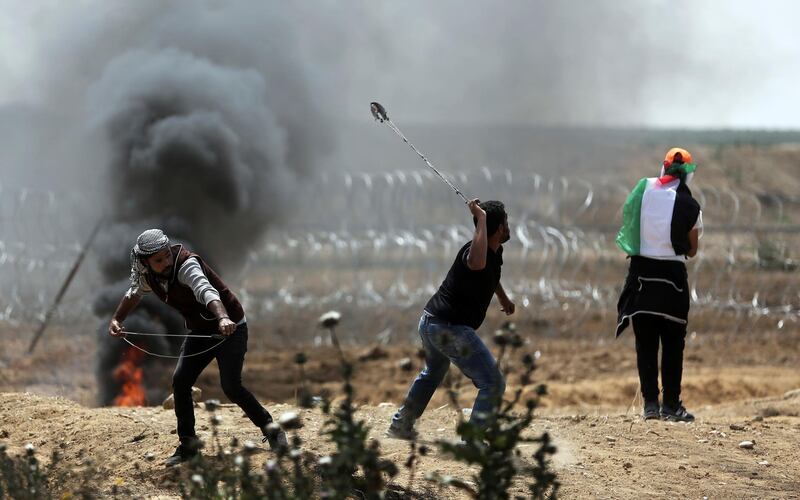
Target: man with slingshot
<point>450,318</point>
<point>184,281</point>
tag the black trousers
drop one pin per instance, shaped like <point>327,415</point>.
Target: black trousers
<point>230,358</point>
<point>649,330</point>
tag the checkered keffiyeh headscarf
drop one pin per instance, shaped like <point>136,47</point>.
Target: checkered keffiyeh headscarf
<point>148,243</point>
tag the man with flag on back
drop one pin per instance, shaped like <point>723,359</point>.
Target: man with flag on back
<point>661,226</point>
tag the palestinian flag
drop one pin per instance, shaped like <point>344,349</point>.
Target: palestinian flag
<point>651,213</point>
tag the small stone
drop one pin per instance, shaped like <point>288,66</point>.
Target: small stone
<point>627,465</point>
<point>611,439</point>
<point>385,405</point>
<point>149,456</point>
<point>681,467</point>
<point>702,440</point>
<point>769,411</point>
<point>736,427</point>
<point>764,463</point>
<point>792,394</point>
<point>372,354</point>
<point>747,445</point>
<point>169,403</point>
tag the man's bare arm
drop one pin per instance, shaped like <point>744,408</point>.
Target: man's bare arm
<point>507,305</point>
<point>225,325</point>
<point>126,305</point>
<point>476,257</point>
<point>694,237</point>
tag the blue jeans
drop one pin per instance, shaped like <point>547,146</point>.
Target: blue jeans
<point>446,342</point>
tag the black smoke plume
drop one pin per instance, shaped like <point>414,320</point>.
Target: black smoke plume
<point>205,139</point>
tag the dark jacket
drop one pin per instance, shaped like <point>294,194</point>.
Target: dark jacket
<point>181,297</point>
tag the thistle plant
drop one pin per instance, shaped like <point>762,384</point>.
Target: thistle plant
<point>493,445</point>
<point>24,477</point>
<point>303,395</point>
<point>356,465</point>
<point>355,468</point>
<point>328,321</point>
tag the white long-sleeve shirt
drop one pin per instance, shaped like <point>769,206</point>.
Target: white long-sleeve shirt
<point>189,274</point>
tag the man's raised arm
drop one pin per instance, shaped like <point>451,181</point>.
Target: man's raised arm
<point>476,257</point>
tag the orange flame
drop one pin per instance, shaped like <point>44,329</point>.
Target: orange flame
<point>129,374</point>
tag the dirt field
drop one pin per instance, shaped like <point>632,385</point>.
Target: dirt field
<point>741,376</point>
<point>738,386</point>
<point>601,454</point>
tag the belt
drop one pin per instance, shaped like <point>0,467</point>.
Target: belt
<point>435,319</point>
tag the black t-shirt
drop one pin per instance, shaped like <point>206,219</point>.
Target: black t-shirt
<point>464,295</point>
<point>684,216</point>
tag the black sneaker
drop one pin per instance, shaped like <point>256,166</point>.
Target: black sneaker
<point>275,436</point>
<point>183,453</point>
<point>676,415</point>
<point>407,433</point>
<point>652,410</point>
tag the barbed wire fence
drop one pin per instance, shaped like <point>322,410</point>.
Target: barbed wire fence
<point>386,239</point>
<point>393,239</point>
<point>41,234</point>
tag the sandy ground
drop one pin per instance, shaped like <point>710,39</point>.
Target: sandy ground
<point>738,386</point>
<point>580,372</point>
<point>601,455</point>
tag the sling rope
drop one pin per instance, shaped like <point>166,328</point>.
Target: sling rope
<point>167,356</point>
